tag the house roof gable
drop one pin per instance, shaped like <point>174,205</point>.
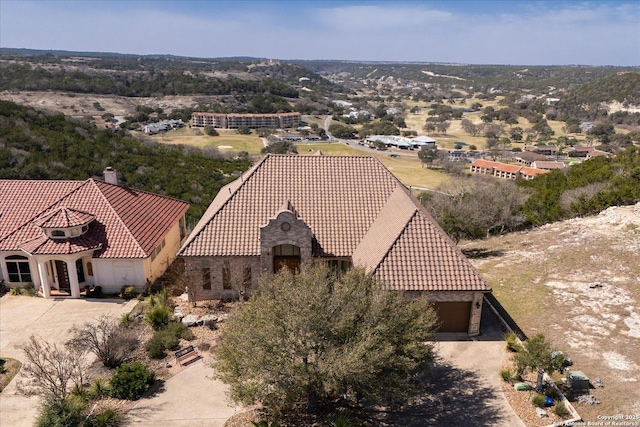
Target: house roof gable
<point>130,223</point>
<point>355,208</point>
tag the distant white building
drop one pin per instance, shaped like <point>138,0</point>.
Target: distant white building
<point>423,141</point>
<point>154,128</point>
<point>341,103</point>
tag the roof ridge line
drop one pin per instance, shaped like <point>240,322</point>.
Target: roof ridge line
<point>80,184</point>
<point>402,231</point>
<point>431,220</point>
<point>244,180</point>
<point>93,181</point>
<point>136,189</point>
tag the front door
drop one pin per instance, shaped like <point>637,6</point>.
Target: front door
<point>291,263</point>
<point>63,276</point>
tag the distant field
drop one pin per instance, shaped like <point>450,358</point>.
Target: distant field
<point>229,140</point>
<point>407,169</point>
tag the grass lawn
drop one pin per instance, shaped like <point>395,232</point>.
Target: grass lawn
<point>229,140</point>
<point>407,169</point>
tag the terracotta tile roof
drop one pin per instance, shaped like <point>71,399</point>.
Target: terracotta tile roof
<point>547,165</point>
<point>42,245</point>
<point>420,260</point>
<point>128,223</point>
<point>529,156</point>
<point>355,208</point>
<point>40,195</point>
<point>389,223</point>
<point>338,197</point>
<point>502,167</point>
<point>533,172</point>
<point>64,218</point>
<point>485,163</point>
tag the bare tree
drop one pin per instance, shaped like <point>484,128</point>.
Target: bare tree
<point>471,128</point>
<point>472,209</point>
<point>106,338</point>
<point>53,370</point>
<point>443,126</point>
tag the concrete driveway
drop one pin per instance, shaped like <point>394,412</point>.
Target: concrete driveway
<point>189,398</point>
<point>51,319</point>
<point>463,388</point>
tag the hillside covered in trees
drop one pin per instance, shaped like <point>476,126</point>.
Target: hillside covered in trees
<point>476,207</point>
<point>159,76</point>
<point>35,145</point>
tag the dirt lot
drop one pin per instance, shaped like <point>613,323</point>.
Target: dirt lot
<point>82,105</point>
<point>577,282</point>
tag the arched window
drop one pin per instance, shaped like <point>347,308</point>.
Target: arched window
<point>57,233</point>
<point>18,269</point>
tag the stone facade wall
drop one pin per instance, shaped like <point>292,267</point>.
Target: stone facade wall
<point>195,268</point>
<point>277,232</point>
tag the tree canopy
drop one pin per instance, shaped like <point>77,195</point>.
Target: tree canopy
<point>35,145</point>
<point>315,337</point>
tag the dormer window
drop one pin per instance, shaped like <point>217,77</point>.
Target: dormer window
<point>64,223</point>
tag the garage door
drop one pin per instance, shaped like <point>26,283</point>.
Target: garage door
<point>454,316</point>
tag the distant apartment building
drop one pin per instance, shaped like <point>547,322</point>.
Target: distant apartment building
<point>505,171</point>
<point>253,121</point>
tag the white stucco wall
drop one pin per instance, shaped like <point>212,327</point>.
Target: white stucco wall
<point>112,274</point>
<point>154,269</point>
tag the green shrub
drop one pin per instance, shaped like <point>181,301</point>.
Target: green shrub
<point>164,298</point>
<point>561,410</point>
<point>506,374</point>
<point>180,330</point>
<point>81,393</point>
<point>55,413</point>
<point>538,400</point>
<point>512,342</point>
<point>341,420</point>
<point>126,319</point>
<point>170,341</point>
<point>28,290</point>
<point>131,380</point>
<point>155,347</point>
<point>552,392</point>
<point>99,388</point>
<point>106,418</point>
<point>128,292</point>
<point>158,317</point>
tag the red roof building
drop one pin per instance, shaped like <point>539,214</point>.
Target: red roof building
<point>64,236</point>
<point>347,211</point>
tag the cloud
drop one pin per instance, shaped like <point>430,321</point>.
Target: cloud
<point>465,32</point>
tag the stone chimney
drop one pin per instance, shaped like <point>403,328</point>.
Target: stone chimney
<point>110,176</point>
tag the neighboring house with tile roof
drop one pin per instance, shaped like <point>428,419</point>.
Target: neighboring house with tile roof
<point>586,152</point>
<point>547,165</point>
<point>348,211</point>
<point>65,236</point>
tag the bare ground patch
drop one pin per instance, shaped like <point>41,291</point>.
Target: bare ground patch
<point>578,282</point>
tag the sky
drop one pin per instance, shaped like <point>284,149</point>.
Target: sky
<point>514,32</point>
